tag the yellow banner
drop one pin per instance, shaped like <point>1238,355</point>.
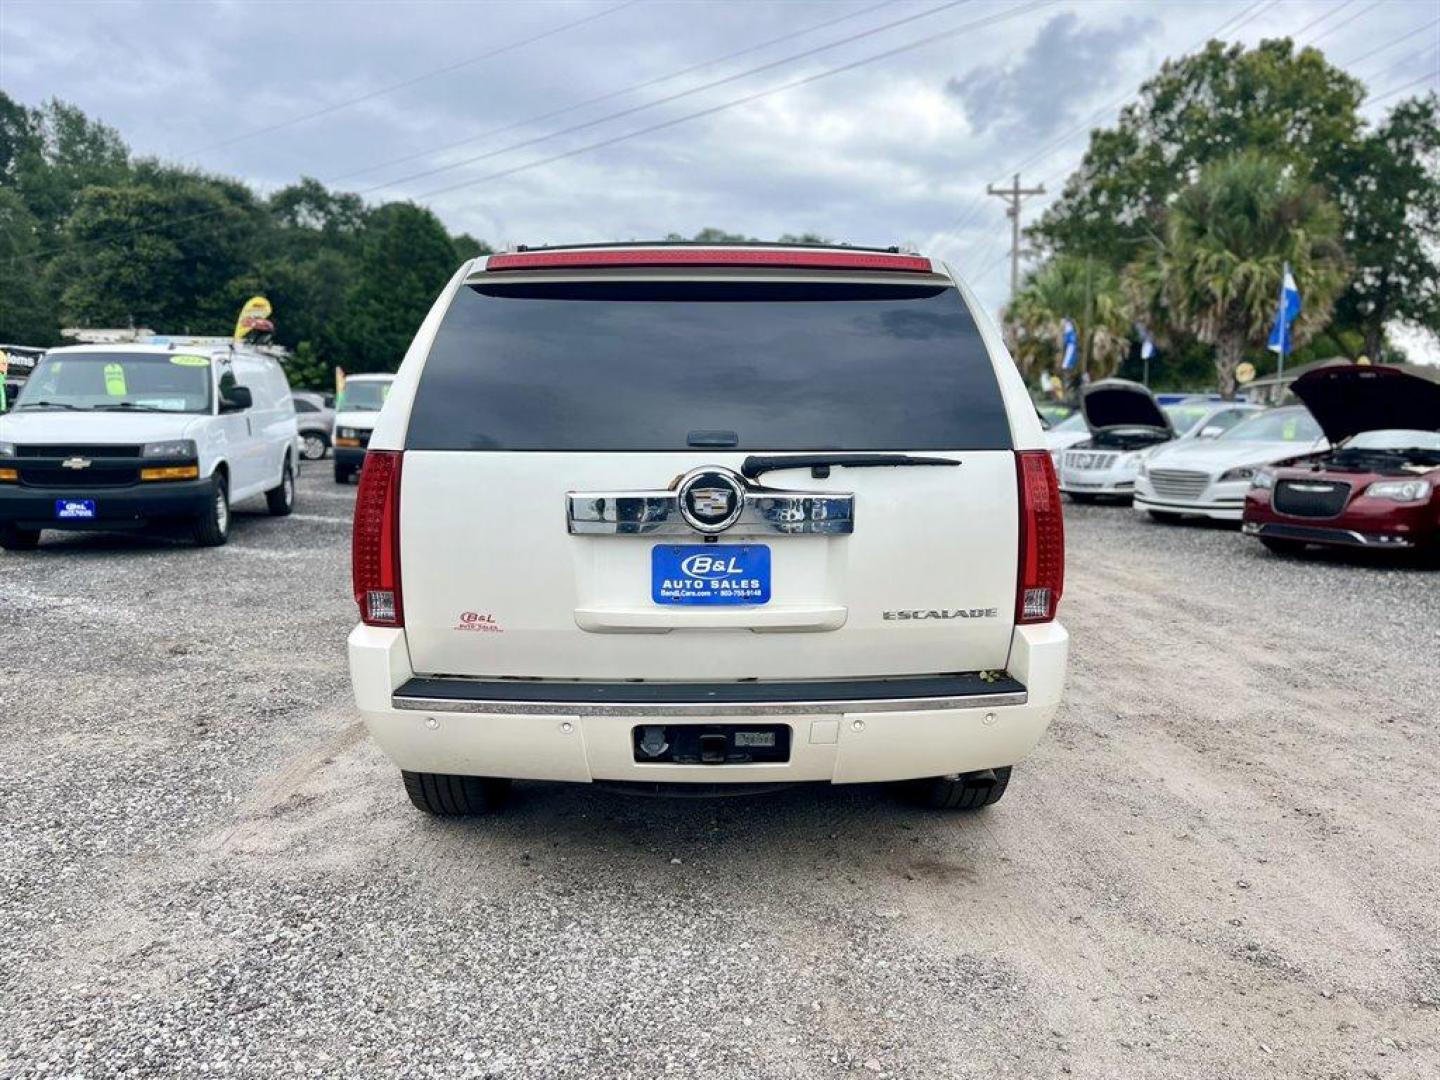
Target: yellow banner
<point>339,380</point>
<point>255,309</point>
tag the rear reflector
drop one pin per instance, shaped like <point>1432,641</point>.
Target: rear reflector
<point>375,545</point>
<point>811,260</point>
<point>1042,538</point>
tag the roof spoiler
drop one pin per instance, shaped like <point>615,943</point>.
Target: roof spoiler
<point>708,257</point>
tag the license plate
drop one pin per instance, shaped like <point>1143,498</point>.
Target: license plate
<point>73,509</point>
<point>710,574</point>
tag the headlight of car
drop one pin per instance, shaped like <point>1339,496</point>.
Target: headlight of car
<point>172,448</point>
<point>1244,472</point>
<point>346,433</point>
<point>1263,479</point>
<point>1400,490</point>
<point>7,449</point>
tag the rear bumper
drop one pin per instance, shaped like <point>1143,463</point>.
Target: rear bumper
<point>115,508</point>
<point>965,725</point>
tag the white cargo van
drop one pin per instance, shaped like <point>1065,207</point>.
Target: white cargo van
<point>126,436</point>
<point>659,515</point>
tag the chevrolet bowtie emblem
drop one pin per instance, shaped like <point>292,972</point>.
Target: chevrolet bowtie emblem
<point>75,463</point>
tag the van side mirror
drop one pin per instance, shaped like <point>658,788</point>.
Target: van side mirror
<point>1214,431</point>
<point>236,399</point>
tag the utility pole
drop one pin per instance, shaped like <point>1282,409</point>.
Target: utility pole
<point>1013,194</point>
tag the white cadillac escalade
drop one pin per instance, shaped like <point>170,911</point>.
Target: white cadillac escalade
<point>659,515</point>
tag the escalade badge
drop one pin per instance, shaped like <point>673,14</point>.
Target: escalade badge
<point>711,500</point>
<point>75,463</point>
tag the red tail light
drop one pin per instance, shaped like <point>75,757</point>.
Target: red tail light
<point>823,259</point>
<point>375,546</point>
<point>1042,538</point>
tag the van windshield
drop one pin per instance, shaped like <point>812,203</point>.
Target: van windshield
<point>367,396</point>
<point>119,381</point>
<point>645,365</point>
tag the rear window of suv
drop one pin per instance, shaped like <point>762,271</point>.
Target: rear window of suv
<point>643,365</point>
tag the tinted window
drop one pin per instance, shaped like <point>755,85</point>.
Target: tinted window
<point>303,406</point>
<point>643,365</point>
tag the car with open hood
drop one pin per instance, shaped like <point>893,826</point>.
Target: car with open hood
<point>1208,476</point>
<point>707,516</point>
<point>1378,486</point>
<point>1124,424</point>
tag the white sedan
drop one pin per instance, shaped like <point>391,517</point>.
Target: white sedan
<point>1209,477</point>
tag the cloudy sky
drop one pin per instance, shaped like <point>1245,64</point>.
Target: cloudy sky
<point>586,120</point>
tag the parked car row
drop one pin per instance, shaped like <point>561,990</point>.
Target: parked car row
<point>1356,464</point>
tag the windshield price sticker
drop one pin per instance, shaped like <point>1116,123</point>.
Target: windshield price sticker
<point>190,361</point>
<point>710,574</point>
<point>115,380</point>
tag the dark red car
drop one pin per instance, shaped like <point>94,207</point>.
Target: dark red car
<point>1379,484</point>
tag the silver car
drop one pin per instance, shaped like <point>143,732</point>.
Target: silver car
<point>315,419</point>
<point>1209,477</point>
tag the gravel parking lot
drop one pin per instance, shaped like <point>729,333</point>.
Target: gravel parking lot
<point>1222,861</point>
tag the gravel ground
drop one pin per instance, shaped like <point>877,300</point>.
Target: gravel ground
<point>1221,862</point>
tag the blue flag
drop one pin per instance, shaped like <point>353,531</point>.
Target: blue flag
<point>1147,343</point>
<point>1280,340</point>
<point>1072,350</point>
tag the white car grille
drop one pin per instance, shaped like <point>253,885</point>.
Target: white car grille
<point>1084,459</point>
<point>1183,484</point>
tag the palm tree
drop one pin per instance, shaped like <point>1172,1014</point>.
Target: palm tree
<point>1068,287</point>
<point>1228,236</point>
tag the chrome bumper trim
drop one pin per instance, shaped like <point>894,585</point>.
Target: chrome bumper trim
<point>787,708</point>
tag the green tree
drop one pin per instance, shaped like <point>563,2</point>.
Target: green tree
<point>1199,109</point>
<point>1087,292</point>
<point>1216,274</point>
<point>165,250</point>
<point>1389,191</point>
<point>406,259</point>
<point>27,308</point>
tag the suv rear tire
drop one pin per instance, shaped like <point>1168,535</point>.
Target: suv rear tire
<point>16,539</point>
<point>280,500</point>
<point>945,793</point>
<point>213,527</point>
<point>454,796</point>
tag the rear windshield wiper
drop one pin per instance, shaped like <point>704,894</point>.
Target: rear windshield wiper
<point>53,405</point>
<point>819,464</point>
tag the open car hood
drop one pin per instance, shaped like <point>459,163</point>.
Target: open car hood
<point>1350,398</point>
<point>1112,404</point>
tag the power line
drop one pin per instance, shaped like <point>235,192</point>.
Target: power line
<point>1321,18</point>
<point>1393,41</point>
<point>644,106</point>
<point>1244,16</point>
<point>1403,63</point>
<point>370,95</point>
<point>987,20</point>
<point>1429,76</point>
<point>1021,9</point>
<point>1342,24</point>
<point>540,118</point>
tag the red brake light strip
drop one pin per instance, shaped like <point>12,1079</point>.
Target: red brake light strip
<point>816,260</point>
